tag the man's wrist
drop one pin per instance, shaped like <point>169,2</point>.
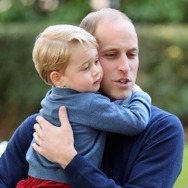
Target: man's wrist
<point>68,158</point>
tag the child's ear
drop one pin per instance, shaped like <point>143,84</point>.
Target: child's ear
<point>57,78</point>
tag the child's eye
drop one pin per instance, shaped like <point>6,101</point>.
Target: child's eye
<point>85,68</point>
<point>96,61</point>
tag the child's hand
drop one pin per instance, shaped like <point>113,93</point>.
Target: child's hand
<point>136,88</point>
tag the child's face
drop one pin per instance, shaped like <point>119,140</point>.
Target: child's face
<point>84,72</point>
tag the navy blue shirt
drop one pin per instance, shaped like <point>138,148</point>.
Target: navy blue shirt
<point>152,159</point>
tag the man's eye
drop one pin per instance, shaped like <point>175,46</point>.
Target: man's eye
<point>132,55</point>
<point>111,55</point>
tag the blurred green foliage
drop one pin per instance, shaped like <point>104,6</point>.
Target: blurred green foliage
<point>164,66</point>
<point>163,70</point>
<point>21,88</point>
<point>67,10</point>
<point>163,54</point>
<point>158,11</point>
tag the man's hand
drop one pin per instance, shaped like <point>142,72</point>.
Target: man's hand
<point>55,143</point>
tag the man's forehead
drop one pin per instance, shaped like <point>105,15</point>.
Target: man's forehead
<point>109,28</point>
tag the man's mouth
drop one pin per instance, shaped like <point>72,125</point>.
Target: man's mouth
<point>124,81</point>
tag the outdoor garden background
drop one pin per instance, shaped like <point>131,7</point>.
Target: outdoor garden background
<point>162,28</point>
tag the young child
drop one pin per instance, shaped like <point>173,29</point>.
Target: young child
<point>66,57</point>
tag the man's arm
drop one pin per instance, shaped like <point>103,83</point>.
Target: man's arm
<point>158,162</point>
<point>57,145</point>
<point>13,164</point>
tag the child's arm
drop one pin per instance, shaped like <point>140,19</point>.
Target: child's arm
<point>138,110</point>
<point>129,116</point>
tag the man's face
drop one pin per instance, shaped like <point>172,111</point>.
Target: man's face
<point>118,55</point>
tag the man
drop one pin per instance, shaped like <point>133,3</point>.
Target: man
<point>151,159</point>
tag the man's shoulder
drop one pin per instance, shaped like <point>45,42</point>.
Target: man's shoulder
<point>164,120</point>
<point>27,124</point>
<point>158,113</point>
<point>30,119</point>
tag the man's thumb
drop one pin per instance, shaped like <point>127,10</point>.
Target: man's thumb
<point>63,116</point>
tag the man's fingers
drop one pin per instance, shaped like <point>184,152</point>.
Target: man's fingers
<point>37,148</point>
<point>42,122</point>
<point>38,130</point>
<point>37,127</point>
<point>37,138</point>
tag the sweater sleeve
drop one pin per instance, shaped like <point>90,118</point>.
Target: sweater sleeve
<point>84,174</point>
<point>13,164</point>
<point>128,117</point>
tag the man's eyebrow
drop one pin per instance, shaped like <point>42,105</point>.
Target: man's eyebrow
<point>113,49</point>
<point>134,48</point>
<point>110,49</point>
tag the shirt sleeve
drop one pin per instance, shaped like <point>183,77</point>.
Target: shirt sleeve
<point>13,164</point>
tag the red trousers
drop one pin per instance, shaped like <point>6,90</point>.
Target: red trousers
<point>31,182</point>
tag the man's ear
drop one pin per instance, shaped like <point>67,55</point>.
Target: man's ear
<point>57,78</point>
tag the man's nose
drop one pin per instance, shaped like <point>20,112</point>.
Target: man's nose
<point>124,65</point>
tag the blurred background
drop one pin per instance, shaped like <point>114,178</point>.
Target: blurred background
<point>163,41</point>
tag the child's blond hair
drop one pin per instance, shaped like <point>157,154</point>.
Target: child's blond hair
<point>52,48</point>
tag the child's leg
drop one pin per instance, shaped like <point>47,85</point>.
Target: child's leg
<point>38,183</point>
